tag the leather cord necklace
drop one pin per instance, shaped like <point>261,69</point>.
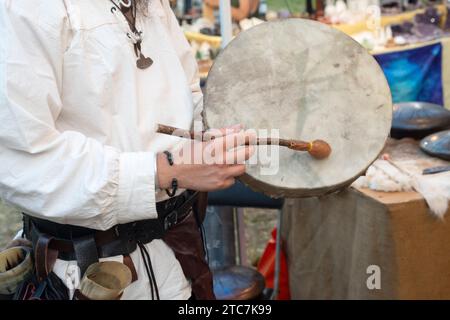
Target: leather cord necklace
<point>133,33</point>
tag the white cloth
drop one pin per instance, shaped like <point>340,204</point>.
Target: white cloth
<point>77,140</point>
<point>406,175</point>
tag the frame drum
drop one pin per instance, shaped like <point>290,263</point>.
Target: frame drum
<point>309,81</point>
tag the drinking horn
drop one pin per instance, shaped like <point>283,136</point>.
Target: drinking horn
<point>104,281</point>
<point>16,266</point>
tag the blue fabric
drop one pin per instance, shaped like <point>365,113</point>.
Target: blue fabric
<point>240,195</point>
<point>414,75</point>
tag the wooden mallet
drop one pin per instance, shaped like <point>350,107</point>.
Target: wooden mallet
<point>318,149</point>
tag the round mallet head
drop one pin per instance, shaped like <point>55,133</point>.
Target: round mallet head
<point>320,149</point>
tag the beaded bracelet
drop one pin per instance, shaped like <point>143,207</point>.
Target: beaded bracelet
<point>174,180</point>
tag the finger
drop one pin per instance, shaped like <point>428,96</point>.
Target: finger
<point>251,136</point>
<point>239,155</point>
<point>217,149</point>
<point>216,133</point>
<point>228,183</point>
<point>235,170</point>
<point>231,129</point>
<point>222,144</point>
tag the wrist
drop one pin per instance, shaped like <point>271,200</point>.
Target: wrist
<point>165,172</point>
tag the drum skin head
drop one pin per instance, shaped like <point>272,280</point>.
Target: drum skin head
<point>309,81</point>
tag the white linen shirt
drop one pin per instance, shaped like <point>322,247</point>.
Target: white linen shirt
<point>77,118</point>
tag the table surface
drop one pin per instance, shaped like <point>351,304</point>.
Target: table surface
<point>390,198</point>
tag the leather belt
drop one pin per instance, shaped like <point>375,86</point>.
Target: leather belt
<point>52,240</point>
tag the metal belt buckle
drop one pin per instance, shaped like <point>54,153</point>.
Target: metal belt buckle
<point>170,220</point>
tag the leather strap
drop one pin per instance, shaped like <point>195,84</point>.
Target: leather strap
<point>33,232</point>
<point>102,238</point>
<point>186,242</point>
<point>120,240</point>
<point>45,257</point>
<point>129,263</point>
<point>200,206</point>
<point>85,251</point>
<point>171,219</point>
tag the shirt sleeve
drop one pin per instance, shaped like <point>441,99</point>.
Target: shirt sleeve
<point>65,177</point>
<point>187,59</point>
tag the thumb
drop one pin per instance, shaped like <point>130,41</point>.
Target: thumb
<point>216,133</point>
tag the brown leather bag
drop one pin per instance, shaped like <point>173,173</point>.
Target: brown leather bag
<point>186,241</point>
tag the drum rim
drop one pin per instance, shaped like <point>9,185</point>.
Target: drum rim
<point>284,192</point>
